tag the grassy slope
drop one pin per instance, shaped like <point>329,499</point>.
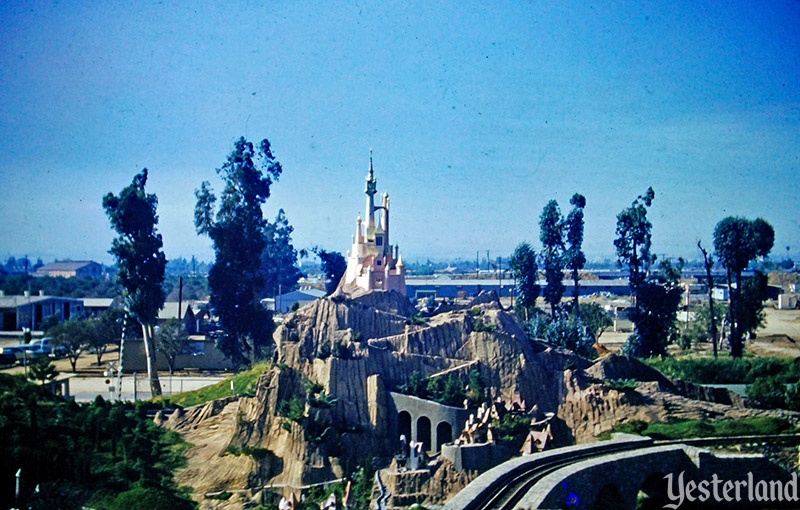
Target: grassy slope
<point>698,428</point>
<point>244,383</point>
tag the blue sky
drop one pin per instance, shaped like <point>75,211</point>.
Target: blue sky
<point>478,113</point>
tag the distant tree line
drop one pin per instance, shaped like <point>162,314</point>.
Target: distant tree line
<point>656,293</point>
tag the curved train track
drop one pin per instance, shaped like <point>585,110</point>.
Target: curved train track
<point>508,490</point>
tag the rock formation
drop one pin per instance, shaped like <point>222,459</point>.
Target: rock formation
<point>322,408</point>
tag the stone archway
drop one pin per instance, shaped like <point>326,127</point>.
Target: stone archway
<point>404,425</point>
<point>653,492</point>
<point>444,435</point>
<point>424,432</point>
<point>609,497</point>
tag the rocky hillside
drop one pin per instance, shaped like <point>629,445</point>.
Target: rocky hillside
<point>322,409</point>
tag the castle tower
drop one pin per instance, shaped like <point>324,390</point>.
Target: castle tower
<point>372,262</point>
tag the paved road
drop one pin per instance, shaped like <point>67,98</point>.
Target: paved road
<point>85,389</point>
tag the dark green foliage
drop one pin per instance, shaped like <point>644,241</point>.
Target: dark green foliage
<point>476,390</point>
<point>657,301</point>
<point>417,320</point>
<point>140,260</point>
<point>685,429</point>
<point>415,386</point>
<point>333,265</point>
<point>341,350</point>
<point>751,304</point>
<point>511,426</point>
<point>478,325</point>
<point>279,258</point>
<point>150,498</point>
<point>42,370</point>
<point>317,427</point>
<point>633,240</point>
<point>620,384</point>
<point>293,409</point>
<point>526,272</point>
<point>449,391</point>
<point>107,329</point>
<point>84,453</point>
<point>551,233</point>
<point>322,401</point>
<point>138,249</point>
<point>567,331</point>
<point>312,387</point>
<point>632,427</point>
<point>726,370</point>
<point>237,231</point>
<point>768,392</point>
<point>74,336</point>
<point>698,428</point>
<point>295,306</point>
<point>574,258</point>
<point>324,350</point>
<point>657,297</point>
<point>594,318</point>
<point>737,242</point>
<point>171,340</point>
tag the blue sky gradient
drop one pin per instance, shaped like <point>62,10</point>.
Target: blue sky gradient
<point>478,115</point>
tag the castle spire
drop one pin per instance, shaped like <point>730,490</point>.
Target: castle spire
<point>370,191</point>
<point>371,174</point>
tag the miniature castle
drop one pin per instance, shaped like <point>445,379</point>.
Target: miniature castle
<point>373,263</point>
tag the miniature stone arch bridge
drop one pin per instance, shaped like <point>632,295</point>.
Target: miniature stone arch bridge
<point>426,422</point>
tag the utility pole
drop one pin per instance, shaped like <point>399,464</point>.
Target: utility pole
<point>477,263</point>
<point>500,278</point>
<point>180,297</point>
<point>121,352</point>
<point>18,476</point>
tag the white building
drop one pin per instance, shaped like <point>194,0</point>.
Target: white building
<point>373,263</point>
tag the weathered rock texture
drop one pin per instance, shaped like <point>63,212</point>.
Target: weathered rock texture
<point>374,346</point>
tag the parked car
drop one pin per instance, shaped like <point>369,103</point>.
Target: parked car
<point>46,347</point>
<point>20,352</point>
<point>7,356</point>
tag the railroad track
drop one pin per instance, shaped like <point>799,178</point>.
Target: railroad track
<point>508,494</point>
<point>507,491</point>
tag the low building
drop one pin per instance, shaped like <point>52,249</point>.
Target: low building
<point>96,306</point>
<point>71,269</point>
<point>201,353</point>
<point>30,311</point>
<point>285,302</point>
<point>442,286</point>
<point>194,315</point>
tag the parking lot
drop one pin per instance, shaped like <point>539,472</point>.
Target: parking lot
<point>90,379</point>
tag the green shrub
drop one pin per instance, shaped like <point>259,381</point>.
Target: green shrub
<point>244,383</point>
<point>511,425</point>
<point>726,370</point>
<point>685,429</point>
<point>324,350</point>
<point>417,320</point>
<point>293,409</point>
<point>150,498</point>
<point>620,384</point>
<point>768,392</point>
<point>341,351</point>
<point>481,326</point>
